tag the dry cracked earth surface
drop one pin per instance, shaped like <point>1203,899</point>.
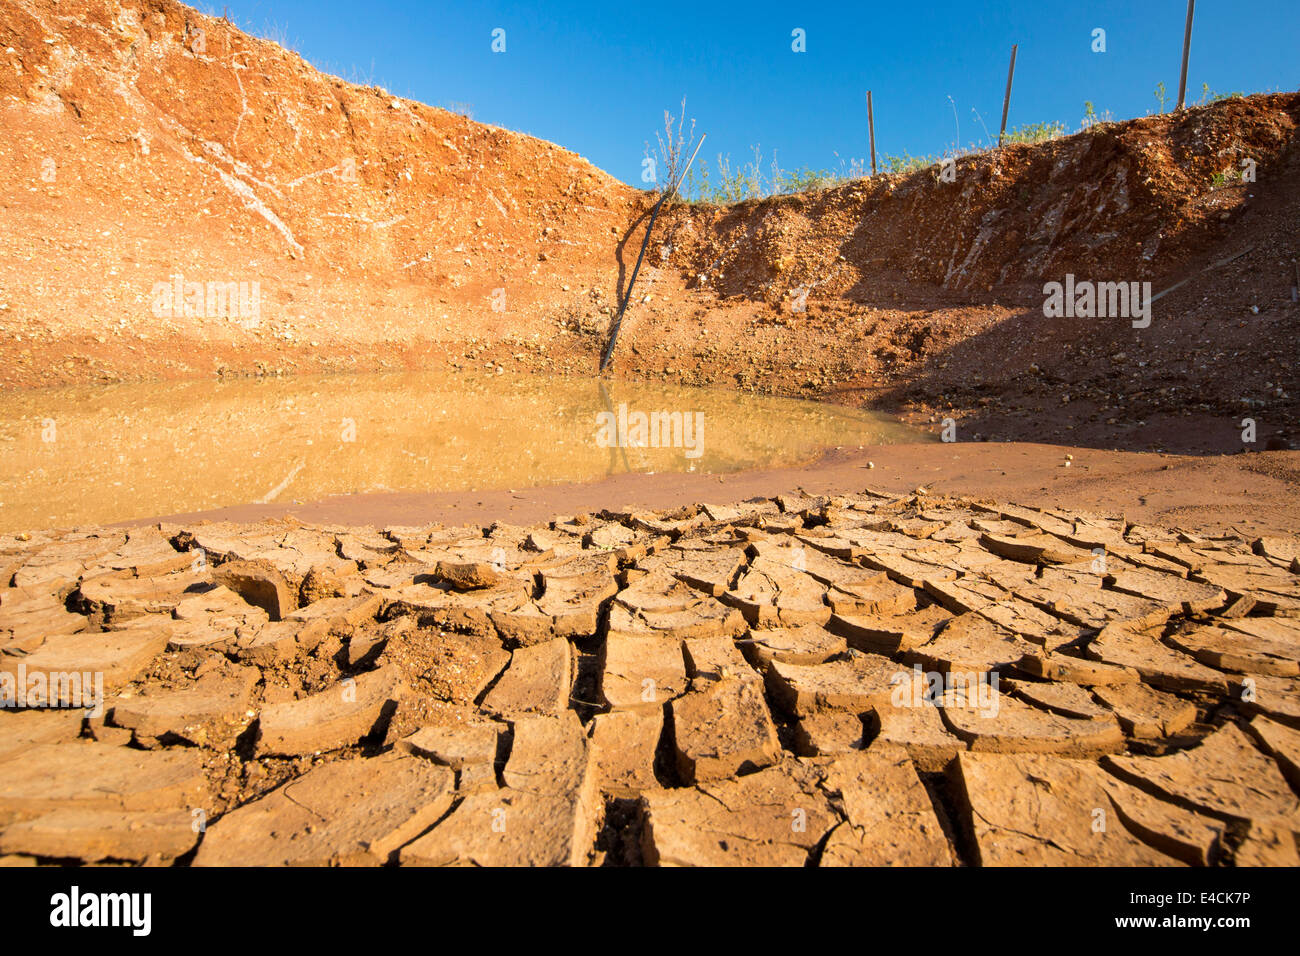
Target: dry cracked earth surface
<point>851,680</point>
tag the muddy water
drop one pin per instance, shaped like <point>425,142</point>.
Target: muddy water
<point>91,455</point>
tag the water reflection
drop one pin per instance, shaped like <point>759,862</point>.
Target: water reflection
<point>96,454</point>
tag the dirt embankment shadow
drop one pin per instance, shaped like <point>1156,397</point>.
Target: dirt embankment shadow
<point>1214,368</point>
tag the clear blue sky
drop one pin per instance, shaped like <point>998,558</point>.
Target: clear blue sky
<point>596,77</point>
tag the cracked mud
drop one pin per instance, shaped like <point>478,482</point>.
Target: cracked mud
<point>862,679</point>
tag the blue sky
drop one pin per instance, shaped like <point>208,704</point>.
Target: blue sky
<point>596,77</point>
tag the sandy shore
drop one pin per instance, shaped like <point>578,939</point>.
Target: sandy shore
<point>1254,493</point>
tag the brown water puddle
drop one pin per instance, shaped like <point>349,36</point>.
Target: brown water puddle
<point>92,455</point>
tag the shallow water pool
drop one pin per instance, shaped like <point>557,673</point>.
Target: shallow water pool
<point>92,455</point>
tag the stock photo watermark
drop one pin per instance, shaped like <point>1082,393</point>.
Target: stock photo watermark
<point>658,429</point>
<point>1085,299</point>
<point>972,690</point>
<point>238,301</point>
<point>71,690</point>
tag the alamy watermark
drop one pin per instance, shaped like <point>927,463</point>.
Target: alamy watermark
<point>954,689</point>
<point>133,911</point>
<point>176,299</point>
<point>1085,299</point>
<point>70,689</point>
<point>626,429</point>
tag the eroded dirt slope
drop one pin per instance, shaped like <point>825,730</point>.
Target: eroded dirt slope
<point>143,140</point>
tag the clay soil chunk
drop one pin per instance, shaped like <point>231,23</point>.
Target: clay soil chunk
<point>1079,599</point>
<point>1077,670</point>
<point>260,584</point>
<point>771,818</point>
<point>340,612</point>
<point>571,603</point>
<point>1035,549</point>
<point>889,819</point>
<point>1274,590</point>
<point>715,658</point>
<point>810,644</point>
<point>119,656</point>
<point>1181,833</point>
<point>467,575</point>
<point>640,673</point>
<point>657,604</point>
<point>891,633</point>
<point>769,594</point>
<point>1236,651</point>
<point>27,619</point>
<point>1068,700</point>
<point>335,717</point>
<point>20,731</point>
<point>710,571</point>
<point>966,594</point>
<point>503,827</point>
<point>550,755</point>
<point>723,729</point>
<point>538,679</point>
<point>147,553</point>
<point>347,813</point>
<point>1280,629</point>
<point>854,685</point>
<point>919,730</point>
<point>277,642</point>
<point>1178,594</point>
<point>972,644</point>
<point>1145,712</point>
<point>1283,743</point>
<point>828,732</point>
<point>904,570</point>
<point>1037,810</point>
<point>96,835</point>
<point>66,561</point>
<point>1031,623</point>
<point>1278,697</point>
<point>455,745</point>
<point>120,597</point>
<point>1016,727</point>
<point>625,743</point>
<point>850,589</point>
<point>211,616</point>
<point>546,814</point>
<point>1224,776</point>
<point>211,712</point>
<point>1268,845</point>
<point>1159,664</point>
<point>1285,550</point>
<point>467,611</point>
<point>94,776</point>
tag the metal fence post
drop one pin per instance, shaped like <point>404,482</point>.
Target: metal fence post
<point>1187,47</point>
<point>1006,99</point>
<point>871,130</point>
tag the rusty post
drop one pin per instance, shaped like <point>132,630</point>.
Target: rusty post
<point>1187,48</point>
<point>871,130</point>
<point>1006,99</point>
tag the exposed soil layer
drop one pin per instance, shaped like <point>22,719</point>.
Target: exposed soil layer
<point>1248,494</point>
<point>855,679</point>
<point>143,140</point>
